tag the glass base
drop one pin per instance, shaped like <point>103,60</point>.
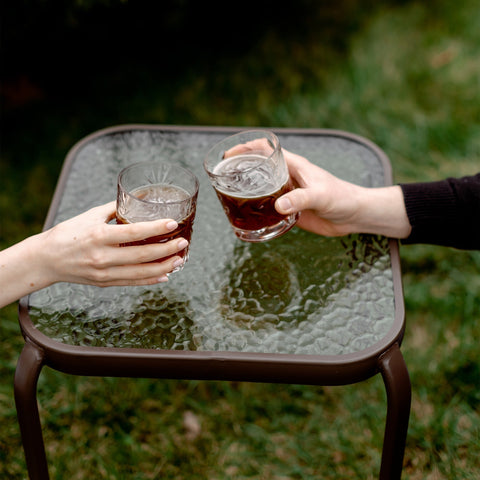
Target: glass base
<point>267,233</point>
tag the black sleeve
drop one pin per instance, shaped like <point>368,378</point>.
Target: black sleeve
<point>445,212</point>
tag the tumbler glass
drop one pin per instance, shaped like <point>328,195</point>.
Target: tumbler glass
<point>248,172</point>
<point>151,190</point>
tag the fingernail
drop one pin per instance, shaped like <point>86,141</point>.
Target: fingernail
<point>162,279</point>
<point>172,225</point>
<point>182,244</point>
<point>284,203</point>
<point>178,263</point>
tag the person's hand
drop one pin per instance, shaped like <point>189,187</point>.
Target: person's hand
<point>328,204</point>
<point>331,206</point>
<point>86,249</point>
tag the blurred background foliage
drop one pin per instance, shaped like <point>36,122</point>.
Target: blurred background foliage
<point>405,74</point>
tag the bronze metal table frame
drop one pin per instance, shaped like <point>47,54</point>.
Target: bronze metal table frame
<point>384,357</point>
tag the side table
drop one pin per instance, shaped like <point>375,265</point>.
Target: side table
<point>301,309</point>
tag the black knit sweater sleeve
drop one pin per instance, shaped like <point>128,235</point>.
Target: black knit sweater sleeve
<point>445,212</point>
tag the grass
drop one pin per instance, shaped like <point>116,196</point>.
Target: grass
<point>404,74</point>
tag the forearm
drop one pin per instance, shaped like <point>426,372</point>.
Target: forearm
<point>86,249</point>
<point>381,211</point>
<point>21,270</point>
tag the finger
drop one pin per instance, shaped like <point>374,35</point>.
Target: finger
<point>133,232</point>
<point>295,160</point>
<point>296,201</point>
<point>299,168</point>
<point>137,274</point>
<point>259,145</point>
<point>104,212</point>
<point>136,283</point>
<point>138,254</point>
<point>311,222</point>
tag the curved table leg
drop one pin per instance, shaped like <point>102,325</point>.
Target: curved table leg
<point>28,370</point>
<point>397,383</point>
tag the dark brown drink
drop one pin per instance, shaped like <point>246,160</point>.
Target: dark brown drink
<point>248,172</point>
<point>247,187</point>
<point>253,213</point>
<point>154,193</point>
<point>184,230</point>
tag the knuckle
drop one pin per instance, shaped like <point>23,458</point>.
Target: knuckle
<point>135,229</point>
<point>97,235</point>
<point>98,263</point>
<point>96,260</point>
<point>100,276</point>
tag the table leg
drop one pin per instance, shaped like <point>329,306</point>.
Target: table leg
<point>28,370</point>
<point>397,383</point>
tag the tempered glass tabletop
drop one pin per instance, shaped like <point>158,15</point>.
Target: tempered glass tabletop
<point>297,294</point>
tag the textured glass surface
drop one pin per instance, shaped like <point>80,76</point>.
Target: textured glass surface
<point>299,293</point>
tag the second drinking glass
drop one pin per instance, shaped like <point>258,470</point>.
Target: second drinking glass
<point>248,173</point>
<point>153,190</point>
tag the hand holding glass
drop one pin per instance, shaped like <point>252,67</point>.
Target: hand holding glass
<point>152,190</point>
<point>248,173</point>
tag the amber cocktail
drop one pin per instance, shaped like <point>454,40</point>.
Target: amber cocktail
<point>248,173</point>
<point>152,190</point>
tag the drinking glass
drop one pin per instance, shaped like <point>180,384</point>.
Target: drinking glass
<point>248,172</point>
<point>151,190</point>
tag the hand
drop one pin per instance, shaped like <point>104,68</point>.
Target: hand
<point>333,207</point>
<point>86,249</point>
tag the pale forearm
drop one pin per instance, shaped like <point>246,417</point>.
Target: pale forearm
<point>88,250</point>
<point>381,211</point>
<point>21,270</point>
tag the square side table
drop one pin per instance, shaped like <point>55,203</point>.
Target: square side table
<point>301,309</point>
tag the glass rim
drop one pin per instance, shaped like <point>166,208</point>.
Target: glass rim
<point>157,163</point>
<point>276,148</point>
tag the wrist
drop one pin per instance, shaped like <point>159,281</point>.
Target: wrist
<point>381,211</point>
<point>23,270</point>
<point>38,262</point>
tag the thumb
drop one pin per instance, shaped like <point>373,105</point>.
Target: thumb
<point>295,201</point>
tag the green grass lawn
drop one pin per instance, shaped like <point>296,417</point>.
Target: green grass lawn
<point>404,74</point>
